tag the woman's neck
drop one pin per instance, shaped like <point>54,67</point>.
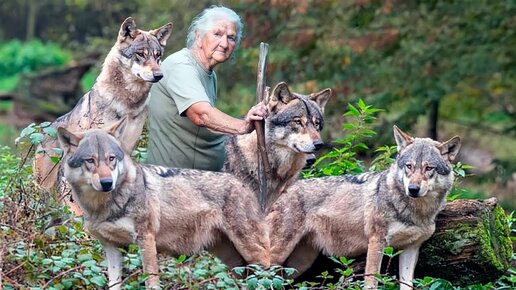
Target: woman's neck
<point>202,59</point>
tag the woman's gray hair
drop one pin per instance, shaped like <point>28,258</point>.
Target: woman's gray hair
<point>204,21</point>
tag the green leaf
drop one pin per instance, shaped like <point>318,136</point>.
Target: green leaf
<point>55,159</point>
<point>46,261</point>
<point>181,259</point>
<point>239,270</point>
<point>51,131</point>
<point>45,124</point>
<point>27,131</point>
<point>388,251</point>
<point>289,271</point>
<point>435,285</point>
<point>99,280</point>
<point>252,283</point>
<point>277,283</point>
<point>352,111</point>
<point>36,138</point>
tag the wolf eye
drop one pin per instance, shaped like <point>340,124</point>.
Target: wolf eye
<point>409,166</point>
<point>297,121</point>
<point>429,168</point>
<point>111,158</point>
<point>140,54</point>
<point>89,160</point>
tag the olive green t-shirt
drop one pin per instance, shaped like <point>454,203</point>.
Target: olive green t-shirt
<point>174,141</point>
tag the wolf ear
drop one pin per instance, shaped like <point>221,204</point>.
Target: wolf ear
<point>163,33</point>
<point>128,28</point>
<point>68,140</point>
<point>280,95</point>
<point>321,98</point>
<point>117,129</point>
<point>450,148</point>
<point>402,139</point>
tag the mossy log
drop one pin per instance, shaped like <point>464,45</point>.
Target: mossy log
<point>471,244</point>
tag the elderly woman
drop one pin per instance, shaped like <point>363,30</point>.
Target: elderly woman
<point>185,128</point>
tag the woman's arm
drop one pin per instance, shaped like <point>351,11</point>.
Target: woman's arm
<point>204,115</point>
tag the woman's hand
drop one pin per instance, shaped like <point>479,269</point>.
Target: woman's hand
<point>257,112</point>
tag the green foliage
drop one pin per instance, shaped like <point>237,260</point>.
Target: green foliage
<point>344,159</point>
<point>17,57</point>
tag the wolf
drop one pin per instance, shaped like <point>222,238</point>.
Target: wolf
<point>351,215</point>
<point>121,89</point>
<point>292,134</point>
<point>169,210</point>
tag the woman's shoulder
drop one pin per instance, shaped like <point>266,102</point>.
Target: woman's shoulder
<point>182,56</point>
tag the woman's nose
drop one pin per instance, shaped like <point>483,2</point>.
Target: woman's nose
<point>224,41</point>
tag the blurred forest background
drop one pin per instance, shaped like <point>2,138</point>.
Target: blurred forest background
<point>436,68</point>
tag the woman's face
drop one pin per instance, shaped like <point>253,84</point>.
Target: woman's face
<point>219,42</point>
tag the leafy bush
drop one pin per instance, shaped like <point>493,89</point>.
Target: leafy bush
<point>18,57</point>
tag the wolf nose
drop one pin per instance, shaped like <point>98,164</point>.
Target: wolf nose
<point>318,144</point>
<point>107,184</point>
<point>158,76</point>
<point>413,190</point>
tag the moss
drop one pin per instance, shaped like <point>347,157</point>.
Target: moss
<point>491,256</point>
<point>502,226</point>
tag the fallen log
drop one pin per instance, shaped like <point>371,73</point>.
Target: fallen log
<point>471,244</point>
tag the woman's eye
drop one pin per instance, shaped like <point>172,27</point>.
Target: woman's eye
<point>298,122</point>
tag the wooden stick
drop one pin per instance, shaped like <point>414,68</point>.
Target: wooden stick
<point>263,160</point>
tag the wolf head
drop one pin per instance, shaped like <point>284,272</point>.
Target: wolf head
<point>295,121</point>
<point>425,164</point>
<point>142,50</point>
<point>93,158</point>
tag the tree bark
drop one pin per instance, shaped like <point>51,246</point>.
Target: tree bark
<point>433,119</point>
<point>471,244</point>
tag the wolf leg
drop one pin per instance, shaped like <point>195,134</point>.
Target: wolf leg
<point>150,259</point>
<point>114,259</point>
<point>408,260</point>
<point>374,260</point>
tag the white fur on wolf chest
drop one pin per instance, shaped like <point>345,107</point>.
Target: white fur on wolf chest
<point>400,235</point>
<point>119,232</point>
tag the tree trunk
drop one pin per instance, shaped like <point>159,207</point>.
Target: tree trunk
<point>433,118</point>
<point>471,244</point>
<point>32,13</point>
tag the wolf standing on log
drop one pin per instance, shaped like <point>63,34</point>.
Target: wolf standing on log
<point>351,215</point>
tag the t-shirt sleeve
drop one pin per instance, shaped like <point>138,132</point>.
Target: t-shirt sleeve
<point>185,86</point>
